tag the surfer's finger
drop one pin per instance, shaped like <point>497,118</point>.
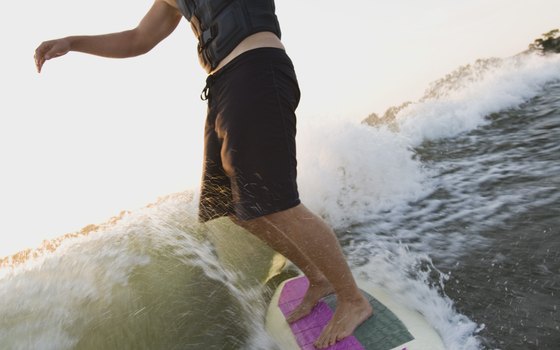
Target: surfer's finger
<point>39,61</point>
<point>40,64</point>
<point>48,49</point>
<point>40,55</point>
<point>42,48</point>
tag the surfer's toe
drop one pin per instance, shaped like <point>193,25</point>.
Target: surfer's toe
<point>347,317</point>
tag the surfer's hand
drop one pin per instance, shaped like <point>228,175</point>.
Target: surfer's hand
<point>50,49</point>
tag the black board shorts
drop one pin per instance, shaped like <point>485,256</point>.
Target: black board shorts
<point>249,139</point>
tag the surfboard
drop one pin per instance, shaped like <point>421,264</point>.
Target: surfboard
<point>392,326</point>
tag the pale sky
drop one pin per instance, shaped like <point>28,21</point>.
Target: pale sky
<point>90,136</point>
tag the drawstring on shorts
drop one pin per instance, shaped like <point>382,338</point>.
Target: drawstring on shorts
<point>205,94</point>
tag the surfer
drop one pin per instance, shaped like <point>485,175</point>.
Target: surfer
<point>249,152</point>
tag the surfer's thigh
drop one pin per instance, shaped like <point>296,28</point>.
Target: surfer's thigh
<point>258,126</point>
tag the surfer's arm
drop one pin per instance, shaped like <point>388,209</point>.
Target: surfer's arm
<point>156,25</point>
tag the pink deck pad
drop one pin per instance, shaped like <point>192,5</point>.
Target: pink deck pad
<point>308,329</point>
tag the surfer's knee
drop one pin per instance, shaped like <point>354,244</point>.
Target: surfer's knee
<point>237,222</point>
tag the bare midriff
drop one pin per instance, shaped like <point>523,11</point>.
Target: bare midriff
<point>255,41</point>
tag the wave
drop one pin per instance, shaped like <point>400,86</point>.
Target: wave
<point>463,99</point>
<point>155,277</point>
<point>349,171</point>
<point>149,280</point>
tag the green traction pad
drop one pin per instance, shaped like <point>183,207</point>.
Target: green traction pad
<point>382,331</point>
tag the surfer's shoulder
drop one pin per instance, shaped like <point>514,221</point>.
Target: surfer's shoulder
<point>172,3</point>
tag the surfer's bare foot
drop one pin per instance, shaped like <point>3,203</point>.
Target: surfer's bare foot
<point>347,317</point>
<point>315,292</point>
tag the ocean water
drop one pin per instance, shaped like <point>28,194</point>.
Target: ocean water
<point>451,203</point>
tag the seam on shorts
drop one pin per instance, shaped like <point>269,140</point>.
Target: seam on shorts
<point>284,127</point>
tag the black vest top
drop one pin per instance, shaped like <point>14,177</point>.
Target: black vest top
<point>220,25</point>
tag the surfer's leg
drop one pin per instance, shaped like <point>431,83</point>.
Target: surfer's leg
<point>317,242</point>
<point>319,286</point>
<point>257,127</point>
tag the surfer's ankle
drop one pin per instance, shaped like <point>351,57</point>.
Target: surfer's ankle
<point>354,296</point>
<point>316,291</point>
<point>320,283</point>
<point>356,304</point>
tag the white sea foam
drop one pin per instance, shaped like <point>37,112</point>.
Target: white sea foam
<point>42,300</point>
<point>467,97</point>
<point>410,279</point>
<point>350,171</point>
